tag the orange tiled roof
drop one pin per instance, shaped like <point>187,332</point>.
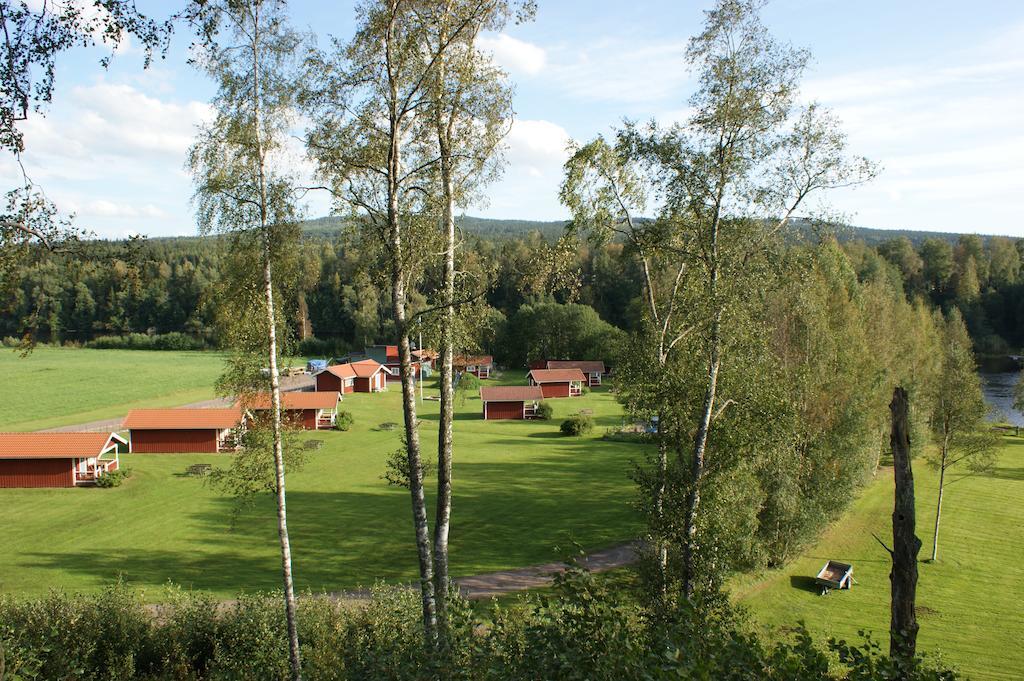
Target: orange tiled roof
<point>463,360</point>
<point>585,365</point>
<point>364,368</point>
<point>294,400</point>
<point>182,419</point>
<point>511,393</point>
<point>52,445</point>
<point>556,375</point>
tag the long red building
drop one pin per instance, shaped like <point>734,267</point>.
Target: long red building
<point>558,382</point>
<point>364,376</point>
<point>184,430</point>
<point>510,401</point>
<point>57,459</point>
<point>306,410</point>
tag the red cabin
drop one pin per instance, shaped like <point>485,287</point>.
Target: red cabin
<point>593,369</point>
<point>510,401</point>
<point>479,366</point>
<point>364,376</point>
<point>558,382</point>
<point>57,459</point>
<point>305,410</point>
<point>184,430</point>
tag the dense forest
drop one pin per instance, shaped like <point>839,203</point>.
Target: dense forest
<point>160,286</point>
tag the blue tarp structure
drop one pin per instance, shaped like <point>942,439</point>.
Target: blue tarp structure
<point>315,365</point>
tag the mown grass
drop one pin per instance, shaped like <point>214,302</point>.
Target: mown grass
<point>970,601</point>
<point>58,386</point>
<point>523,494</point>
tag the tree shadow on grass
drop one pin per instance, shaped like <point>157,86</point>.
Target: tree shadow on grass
<point>507,514</point>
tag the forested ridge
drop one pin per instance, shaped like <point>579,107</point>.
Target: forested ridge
<point>163,285</point>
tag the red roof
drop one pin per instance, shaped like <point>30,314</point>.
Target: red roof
<point>182,419</point>
<point>511,393</point>
<point>294,400</point>
<point>53,445</point>
<point>464,360</point>
<point>364,368</point>
<point>426,354</point>
<point>556,375</point>
<point>584,365</point>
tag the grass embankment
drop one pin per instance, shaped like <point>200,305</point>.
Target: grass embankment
<point>969,601</point>
<point>59,386</point>
<point>521,490</point>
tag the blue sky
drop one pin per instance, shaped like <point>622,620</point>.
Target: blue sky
<point>933,91</point>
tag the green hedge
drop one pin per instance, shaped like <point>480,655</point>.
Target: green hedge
<point>142,341</point>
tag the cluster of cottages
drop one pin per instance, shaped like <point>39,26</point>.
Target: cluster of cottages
<point>73,459</point>
<point>551,378</point>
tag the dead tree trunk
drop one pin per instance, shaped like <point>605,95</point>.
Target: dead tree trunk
<point>905,543</point>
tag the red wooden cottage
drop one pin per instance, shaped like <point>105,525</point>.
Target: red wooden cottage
<point>510,401</point>
<point>480,366</point>
<point>593,370</point>
<point>57,459</point>
<point>558,382</point>
<point>305,410</point>
<point>364,376</point>
<point>184,430</point>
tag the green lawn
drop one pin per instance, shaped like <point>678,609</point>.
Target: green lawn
<point>522,494</point>
<point>60,386</point>
<point>971,601</point>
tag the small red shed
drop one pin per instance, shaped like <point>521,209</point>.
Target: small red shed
<point>510,401</point>
<point>364,376</point>
<point>593,369</point>
<point>57,459</point>
<point>480,366</point>
<point>184,430</point>
<point>305,410</point>
<point>558,382</point>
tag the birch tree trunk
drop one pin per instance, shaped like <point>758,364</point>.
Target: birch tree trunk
<point>412,438</point>
<point>903,577</point>
<point>294,654</point>
<point>938,505</point>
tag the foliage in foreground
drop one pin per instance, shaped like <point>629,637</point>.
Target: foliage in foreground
<point>582,631</point>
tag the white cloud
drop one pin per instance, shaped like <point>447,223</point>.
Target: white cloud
<point>517,56</point>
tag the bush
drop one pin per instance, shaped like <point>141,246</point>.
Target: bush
<point>585,390</point>
<point>344,421</point>
<point>577,424</point>
<point>545,411</point>
<point>113,478</point>
<point>142,341</point>
<point>322,347</point>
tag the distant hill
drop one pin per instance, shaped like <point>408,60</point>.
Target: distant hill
<point>510,229</point>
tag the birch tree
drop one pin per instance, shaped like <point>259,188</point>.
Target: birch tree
<point>957,413</point>
<point>727,180</point>
<point>244,191</point>
<point>470,108</point>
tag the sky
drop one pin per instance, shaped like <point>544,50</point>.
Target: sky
<point>932,90</point>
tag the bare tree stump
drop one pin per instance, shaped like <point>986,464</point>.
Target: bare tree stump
<point>905,543</point>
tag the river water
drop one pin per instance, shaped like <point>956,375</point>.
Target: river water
<point>998,387</point>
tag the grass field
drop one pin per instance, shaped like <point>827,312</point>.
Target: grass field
<point>971,601</point>
<point>521,490</point>
<point>59,386</point>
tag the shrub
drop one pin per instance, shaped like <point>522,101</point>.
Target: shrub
<point>113,478</point>
<point>141,341</point>
<point>585,390</point>
<point>322,347</point>
<point>344,420</point>
<point>577,424</point>
<point>544,411</point>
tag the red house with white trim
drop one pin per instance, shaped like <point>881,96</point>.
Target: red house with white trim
<point>57,459</point>
<point>558,382</point>
<point>510,401</point>
<point>364,376</point>
<point>593,369</point>
<point>305,410</point>
<point>184,430</point>
<point>480,365</point>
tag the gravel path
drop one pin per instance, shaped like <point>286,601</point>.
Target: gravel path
<point>288,383</point>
